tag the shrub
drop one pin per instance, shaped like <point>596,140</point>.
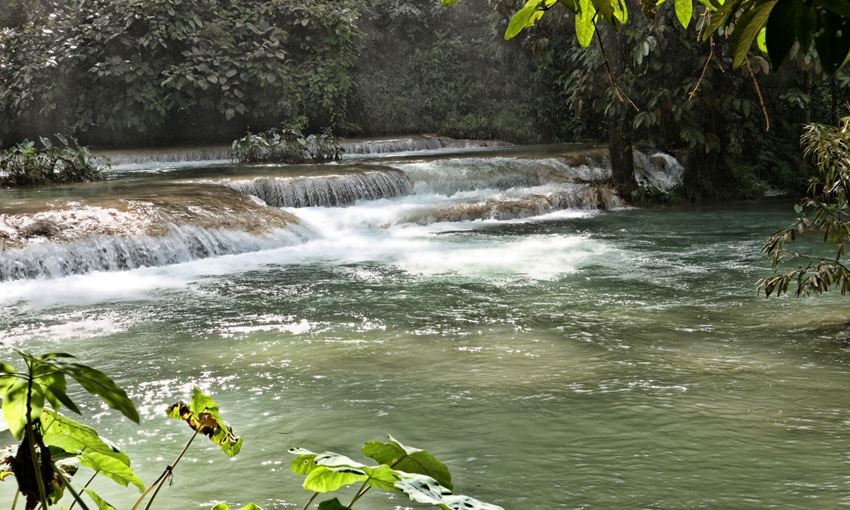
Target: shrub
<point>27,165</point>
<point>286,145</point>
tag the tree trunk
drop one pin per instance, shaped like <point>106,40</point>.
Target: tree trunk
<point>620,120</point>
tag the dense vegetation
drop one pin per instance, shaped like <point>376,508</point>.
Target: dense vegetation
<point>286,145</point>
<point>26,164</point>
<point>179,71</point>
<point>53,447</point>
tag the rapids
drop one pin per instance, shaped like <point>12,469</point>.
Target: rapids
<point>498,307</point>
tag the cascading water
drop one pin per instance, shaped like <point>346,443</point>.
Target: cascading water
<point>175,225</point>
<point>325,190</point>
<point>369,205</point>
<point>412,144</point>
<point>114,253</point>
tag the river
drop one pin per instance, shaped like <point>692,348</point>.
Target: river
<point>553,354</point>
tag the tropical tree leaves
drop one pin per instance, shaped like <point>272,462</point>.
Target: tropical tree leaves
<point>45,380</point>
<point>408,459</point>
<point>776,25</point>
<point>202,416</point>
<point>401,468</point>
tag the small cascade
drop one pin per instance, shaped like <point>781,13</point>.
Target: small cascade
<point>325,190</point>
<point>574,196</point>
<point>412,144</point>
<point>450,176</point>
<point>178,155</point>
<point>163,226</point>
<point>116,253</point>
<point>660,171</point>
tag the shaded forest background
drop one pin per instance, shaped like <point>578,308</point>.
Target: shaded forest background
<point>161,72</point>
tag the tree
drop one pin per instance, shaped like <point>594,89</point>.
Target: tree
<point>818,30</point>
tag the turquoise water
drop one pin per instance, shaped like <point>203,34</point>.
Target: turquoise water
<point>572,360</point>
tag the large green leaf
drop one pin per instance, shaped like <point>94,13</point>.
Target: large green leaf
<point>422,489</point>
<point>112,468</point>
<point>100,502</point>
<point>202,415</point>
<point>96,382</point>
<point>332,504</point>
<point>15,406</point>
<point>747,30</point>
<point>408,459</point>
<point>74,437</point>
<point>53,385</point>
<point>685,11</point>
<point>781,30</point>
<point>585,24</point>
<point>305,461</point>
<point>328,479</point>
<point>523,18</point>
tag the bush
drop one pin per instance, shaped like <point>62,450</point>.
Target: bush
<point>26,165</point>
<point>287,145</point>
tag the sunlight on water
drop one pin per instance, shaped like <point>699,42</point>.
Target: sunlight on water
<point>570,359</point>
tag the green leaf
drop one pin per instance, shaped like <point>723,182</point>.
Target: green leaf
<point>747,29</point>
<point>781,30</point>
<point>422,489</point>
<point>721,18</point>
<point>15,406</point>
<point>53,385</point>
<point>202,415</point>
<point>328,479</point>
<point>408,459</point>
<point>304,462</point>
<point>112,468</point>
<point>382,477</point>
<point>100,502</point>
<point>585,25</point>
<point>223,506</point>
<point>525,17</point>
<point>74,437</point>
<point>833,42</point>
<point>96,382</point>
<point>332,504</point>
<point>806,26</point>
<point>685,12</point>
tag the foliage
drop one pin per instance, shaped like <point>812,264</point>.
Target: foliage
<point>287,145</point>
<point>49,440</point>
<point>422,68</point>
<point>27,165</point>
<point>825,212</point>
<point>773,25</point>
<point>177,69</point>
<point>202,416</point>
<point>400,469</point>
<point>47,436</point>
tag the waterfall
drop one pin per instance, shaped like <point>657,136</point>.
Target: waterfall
<point>325,190</point>
<point>455,175</point>
<point>412,144</point>
<point>115,253</point>
<point>572,196</point>
<point>162,224</point>
<point>660,171</point>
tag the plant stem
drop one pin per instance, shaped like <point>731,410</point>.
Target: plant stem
<point>15,501</point>
<point>362,492</point>
<point>30,439</point>
<point>67,483</point>
<point>84,488</point>
<point>310,501</point>
<point>158,483</point>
